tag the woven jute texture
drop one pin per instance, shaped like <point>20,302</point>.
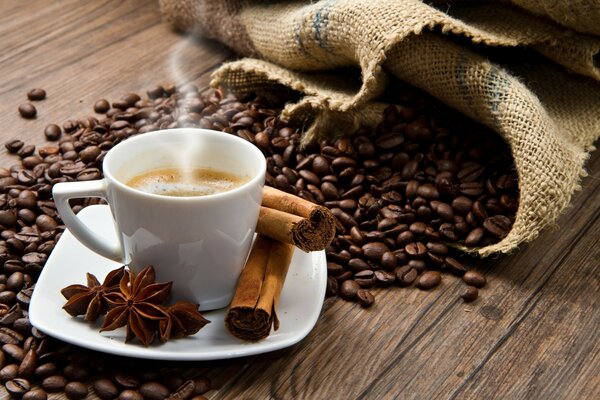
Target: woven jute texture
<point>580,15</point>
<point>545,105</point>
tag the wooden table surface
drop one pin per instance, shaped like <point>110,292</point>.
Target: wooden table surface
<point>534,333</point>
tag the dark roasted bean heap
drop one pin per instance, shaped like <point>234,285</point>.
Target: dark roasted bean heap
<point>401,194</point>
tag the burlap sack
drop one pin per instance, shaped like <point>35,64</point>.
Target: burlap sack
<point>549,117</point>
<point>580,15</point>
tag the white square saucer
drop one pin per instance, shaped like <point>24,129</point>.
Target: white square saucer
<point>299,306</point>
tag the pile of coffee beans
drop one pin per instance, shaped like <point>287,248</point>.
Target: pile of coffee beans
<point>401,193</point>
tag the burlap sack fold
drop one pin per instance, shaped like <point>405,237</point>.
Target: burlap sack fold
<point>548,116</point>
<point>579,15</point>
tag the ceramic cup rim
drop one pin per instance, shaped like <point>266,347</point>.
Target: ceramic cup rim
<point>257,178</point>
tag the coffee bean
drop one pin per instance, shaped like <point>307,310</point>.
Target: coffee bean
<point>348,289</point>
<point>7,335</point>
<point>54,383</point>
<point>52,132</point>
<point>202,384</point>
<point>154,391</point>
<point>384,278</point>
<point>332,286</point>
<point>415,249</point>
<point>498,225</point>
<point>126,381</point>
<point>9,372</point>
<point>185,391</point>
<point>375,250</point>
<point>27,110</point>
<point>17,387</point>
<point>105,389</point>
<point>7,218</point>
<point>469,294</point>
<point>76,390</point>
<point>389,261</point>
<point>14,145</point>
<point>474,278</point>
<point>429,280</point>
<point>76,372</point>
<point>454,266</point>
<point>35,394</point>
<point>365,298</point>
<point>15,281</point>
<point>474,237</point>
<point>101,106</point>
<point>130,395</point>
<point>36,94</point>
<point>46,370</point>
<point>28,365</point>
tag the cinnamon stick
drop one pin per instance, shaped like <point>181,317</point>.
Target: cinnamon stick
<point>291,219</point>
<point>252,311</point>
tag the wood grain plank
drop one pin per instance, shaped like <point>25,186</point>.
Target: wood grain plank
<point>104,49</point>
<point>534,333</point>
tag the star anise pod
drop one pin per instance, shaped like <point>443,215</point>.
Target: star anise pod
<point>137,305</point>
<point>184,319</point>
<point>89,300</point>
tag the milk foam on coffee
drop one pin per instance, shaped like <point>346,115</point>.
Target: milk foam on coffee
<point>186,182</point>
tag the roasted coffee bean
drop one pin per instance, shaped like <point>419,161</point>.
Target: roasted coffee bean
<point>76,390</point>
<point>474,278</point>
<point>17,387</point>
<point>375,250</point>
<point>106,389</point>
<point>498,225</point>
<point>474,237</point>
<point>153,391</point>
<point>35,394</point>
<point>365,298</point>
<point>9,372</point>
<point>389,261</point>
<point>332,286</point>
<point>416,249</point>
<point>27,110</point>
<point>348,289</point>
<point>15,281</point>
<point>384,278</point>
<point>429,280</point>
<point>126,381</point>
<point>36,94</point>
<point>52,132</point>
<point>28,365</point>
<point>130,395</point>
<point>45,370</point>
<point>183,392</point>
<point>469,294</point>
<point>14,351</point>
<point>54,383</point>
<point>408,277</point>
<point>357,265</point>
<point>101,106</point>
<point>14,145</point>
<point>202,384</point>
<point>76,372</point>
<point>454,266</point>
<point>7,335</point>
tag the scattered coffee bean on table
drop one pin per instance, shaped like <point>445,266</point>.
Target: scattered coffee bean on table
<point>27,110</point>
<point>52,132</point>
<point>403,194</point>
<point>469,294</point>
<point>36,94</point>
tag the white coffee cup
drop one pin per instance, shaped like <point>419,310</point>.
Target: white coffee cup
<point>200,243</point>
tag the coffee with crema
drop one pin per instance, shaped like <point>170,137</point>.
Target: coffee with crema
<point>186,182</point>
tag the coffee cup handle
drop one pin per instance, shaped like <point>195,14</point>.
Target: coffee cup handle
<point>65,191</point>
